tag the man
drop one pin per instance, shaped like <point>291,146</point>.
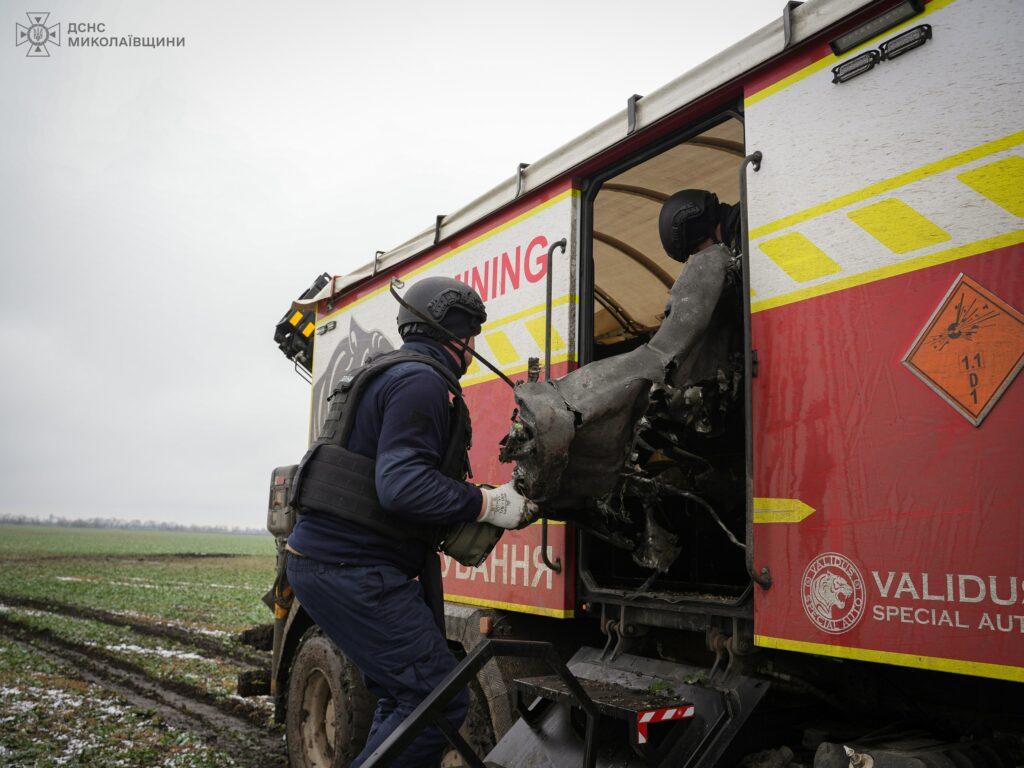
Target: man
<point>375,492</point>
<point>693,219</point>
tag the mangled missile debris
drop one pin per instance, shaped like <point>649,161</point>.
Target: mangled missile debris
<point>586,445</point>
<point>574,435</point>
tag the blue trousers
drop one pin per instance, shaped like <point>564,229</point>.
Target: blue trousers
<point>379,620</point>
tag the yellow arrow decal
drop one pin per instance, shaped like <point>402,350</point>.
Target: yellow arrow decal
<point>781,510</point>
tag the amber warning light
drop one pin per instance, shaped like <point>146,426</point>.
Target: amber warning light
<point>908,41</point>
<point>908,9</point>
<point>858,65</point>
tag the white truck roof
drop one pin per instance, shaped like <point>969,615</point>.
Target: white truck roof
<point>807,20</point>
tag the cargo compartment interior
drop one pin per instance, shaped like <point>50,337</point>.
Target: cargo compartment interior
<point>631,276</point>
<point>632,272</point>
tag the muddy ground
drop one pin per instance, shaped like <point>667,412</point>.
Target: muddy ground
<point>109,657</point>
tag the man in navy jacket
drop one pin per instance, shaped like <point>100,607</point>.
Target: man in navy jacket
<point>357,583</point>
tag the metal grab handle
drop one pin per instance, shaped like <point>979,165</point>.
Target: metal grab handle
<point>560,244</point>
<point>547,307</point>
<point>764,579</point>
<point>557,565</point>
<point>303,374</point>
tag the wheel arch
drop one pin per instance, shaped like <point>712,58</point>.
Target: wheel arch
<point>295,626</point>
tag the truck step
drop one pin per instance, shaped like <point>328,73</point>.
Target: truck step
<point>654,713</point>
<point>640,708</point>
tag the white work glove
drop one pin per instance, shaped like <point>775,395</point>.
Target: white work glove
<point>505,507</point>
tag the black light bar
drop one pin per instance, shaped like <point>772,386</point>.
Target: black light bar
<point>908,41</point>
<point>858,65</point>
<point>293,333</point>
<point>876,26</point>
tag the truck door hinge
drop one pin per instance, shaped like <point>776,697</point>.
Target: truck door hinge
<point>787,22</point>
<point>519,178</point>
<point>754,363</point>
<point>631,113</point>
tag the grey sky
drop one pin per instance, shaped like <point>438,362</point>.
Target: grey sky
<point>159,209</point>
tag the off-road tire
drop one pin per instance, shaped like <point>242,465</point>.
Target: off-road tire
<point>476,730</point>
<point>324,686</point>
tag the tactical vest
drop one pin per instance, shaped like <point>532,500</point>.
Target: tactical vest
<point>335,481</point>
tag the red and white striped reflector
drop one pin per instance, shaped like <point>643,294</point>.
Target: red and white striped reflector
<point>644,719</point>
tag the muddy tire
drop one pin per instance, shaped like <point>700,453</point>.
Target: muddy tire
<point>476,730</point>
<point>329,708</point>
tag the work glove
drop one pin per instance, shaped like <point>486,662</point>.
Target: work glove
<point>505,507</point>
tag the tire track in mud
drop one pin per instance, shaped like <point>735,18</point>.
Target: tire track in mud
<point>234,708</point>
<point>236,728</point>
<point>153,628</point>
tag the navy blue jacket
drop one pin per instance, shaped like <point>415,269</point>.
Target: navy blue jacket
<point>402,423</point>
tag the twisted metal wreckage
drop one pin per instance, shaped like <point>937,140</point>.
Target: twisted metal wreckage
<point>606,443</point>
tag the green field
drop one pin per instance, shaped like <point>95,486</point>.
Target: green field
<point>44,540</point>
<point>142,624</point>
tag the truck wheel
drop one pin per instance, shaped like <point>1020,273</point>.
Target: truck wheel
<point>329,708</point>
<point>476,730</point>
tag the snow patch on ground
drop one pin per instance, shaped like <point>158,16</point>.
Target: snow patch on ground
<point>173,623</point>
<point>20,700</point>
<point>24,611</point>
<point>134,581</point>
<point>167,653</point>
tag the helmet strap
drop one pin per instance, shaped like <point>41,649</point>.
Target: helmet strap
<point>457,350</point>
<point>459,344</point>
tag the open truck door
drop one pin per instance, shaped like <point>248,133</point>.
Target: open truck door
<point>885,253</point>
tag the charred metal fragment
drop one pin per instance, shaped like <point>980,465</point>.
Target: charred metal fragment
<point>608,445</point>
<point>575,434</point>
<point>657,547</point>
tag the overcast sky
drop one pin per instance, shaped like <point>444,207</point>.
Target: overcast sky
<point>161,207</point>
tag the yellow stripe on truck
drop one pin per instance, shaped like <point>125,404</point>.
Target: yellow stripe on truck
<point>502,347</point>
<point>536,610</point>
<point>897,226</point>
<point>1002,182</point>
<point>510,359</point>
<point>900,268</point>
<point>537,328</point>
<point>946,212</point>
<point>469,380</point>
<point>798,257</point>
<point>887,185</point>
<point>976,668</point>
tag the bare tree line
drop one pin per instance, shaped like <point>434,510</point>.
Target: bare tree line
<point>129,525</point>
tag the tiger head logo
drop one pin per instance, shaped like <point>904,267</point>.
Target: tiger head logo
<point>828,592</point>
<point>833,592</point>
<point>351,352</point>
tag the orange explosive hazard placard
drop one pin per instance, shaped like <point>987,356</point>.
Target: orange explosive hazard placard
<point>970,349</point>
